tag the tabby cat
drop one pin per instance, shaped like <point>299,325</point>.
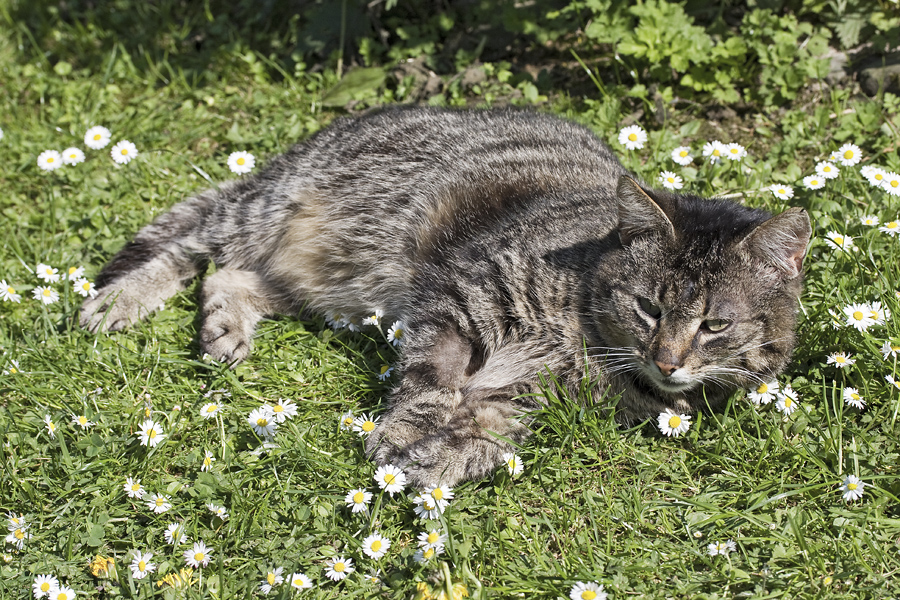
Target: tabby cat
<point>509,243</point>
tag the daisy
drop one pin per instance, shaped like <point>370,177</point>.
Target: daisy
<point>425,554</point>
<point>426,507</point>
<point>782,192</point>
<point>46,273</point>
<point>891,183</point>
<point>813,182</point>
<point>347,420</point>
<point>72,156</point>
<point>85,288</point>
<point>840,359</point>
<point>13,367</point>
<point>383,374</point>
<point>891,381</point>
<point>765,393</point>
<point>682,156</point>
<point>133,488</point>
<point>198,555</point>
<point>827,170</point>
<point>158,503</point>
<point>141,565</point>
<point>891,228</point>
<point>43,584</point>
<point>47,295</point>
<point>241,162</point>
<point>218,511</point>
<point>358,500</point>
<point>513,463</point>
<point>839,241</point>
<point>339,568</point>
<point>151,433</point>
<point>390,478</point>
<point>272,579</point>
<point>336,321</point>
<point>432,539</point>
<point>670,180</point>
<point>633,137</point>
<point>852,488</point>
<point>263,421</point>
<point>889,349</point>
<point>852,398</point>
<point>300,581</point>
<point>873,175</point>
<point>51,426</point>
<point>8,292</point>
<point>714,150</point>
<point>14,521</point>
<point>284,410</point>
<point>208,460</point>
<point>396,333</point>
<point>787,400</point>
<point>849,155</point>
<point>442,494</point>
<point>878,313</point>
<point>210,410</point>
<point>672,423</point>
<point>63,592</point>
<point>735,151</point>
<point>859,316</point>
<point>97,137</point>
<point>174,534</point>
<point>587,591</point>
<point>869,220</point>
<point>375,546</point>
<point>123,152</point>
<point>17,537</point>
<point>82,421</point>
<point>364,424</point>
<point>73,273</point>
<point>374,318</point>
<point>722,548</point>
<point>49,160</point>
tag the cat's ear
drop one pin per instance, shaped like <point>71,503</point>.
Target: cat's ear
<point>639,214</point>
<point>781,241</point>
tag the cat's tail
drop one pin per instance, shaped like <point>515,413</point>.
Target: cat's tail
<point>159,262</point>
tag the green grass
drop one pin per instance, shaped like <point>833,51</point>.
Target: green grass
<point>628,508</point>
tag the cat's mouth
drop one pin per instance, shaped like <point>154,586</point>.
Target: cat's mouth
<point>678,382</point>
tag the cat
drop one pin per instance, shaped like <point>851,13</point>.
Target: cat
<point>509,243</point>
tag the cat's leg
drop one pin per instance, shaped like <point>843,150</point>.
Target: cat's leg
<point>232,303</point>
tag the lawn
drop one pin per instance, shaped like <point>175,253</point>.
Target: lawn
<point>752,502</point>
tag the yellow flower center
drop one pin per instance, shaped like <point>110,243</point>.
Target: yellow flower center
<point>376,545</point>
<point>271,578</point>
<point>62,596</point>
<point>46,292</point>
<point>892,225</point>
<point>212,408</point>
<point>848,154</point>
<point>135,487</point>
<point>428,553</point>
<point>278,408</point>
<point>670,179</point>
<point>716,152</point>
<point>840,359</point>
<point>762,389</point>
<point>827,169</point>
<point>45,587</point>
<point>146,412</point>
<point>86,286</point>
<point>240,161</point>
<point>262,422</point>
<point>683,153</point>
<point>674,421</point>
<point>72,269</point>
<point>384,369</point>
<point>512,463</point>
<point>433,537</point>
<point>787,402</point>
<point>838,240</point>
<point>348,421</point>
<point>855,396</point>
<point>895,182</point>
<point>51,426</point>
<point>358,497</point>
<point>734,150</point>
<point>160,501</point>
<point>632,137</point>
<point>588,595</point>
<point>398,334</point>
<point>97,137</point>
<point>207,461</point>
<point>82,420</point>
<point>19,534</point>
<point>339,567</point>
<point>858,315</point>
<point>389,479</point>
<point>49,159</point>
<point>142,565</point>
<point>199,556</point>
<point>298,582</point>
<point>124,151</point>
<point>12,290</point>
<point>851,486</point>
<point>151,434</point>
<point>437,494</point>
<point>368,426</point>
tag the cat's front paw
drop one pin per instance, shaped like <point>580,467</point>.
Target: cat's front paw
<point>225,337</point>
<point>386,443</point>
<point>448,459</point>
<point>112,309</point>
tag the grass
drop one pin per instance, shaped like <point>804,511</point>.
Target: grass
<point>627,508</point>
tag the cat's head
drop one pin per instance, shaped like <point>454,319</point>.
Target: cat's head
<point>702,297</point>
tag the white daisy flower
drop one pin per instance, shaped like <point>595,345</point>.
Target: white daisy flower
<point>335,320</point>
<point>670,180</point>
<point>141,565</point>
<point>590,590</point>
<point>300,581</point>
<point>51,426</point>
<point>849,155</point>
<point>869,220</point>
<point>423,555</point>
<point>513,463</point>
<point>46,295</point>
<point>873,175</point>
<point>390,478</point>
<point>358,500</point>
<point>721,548</point>
<point>97,137</point>
<point>859,316</point>
<point>85,288</point>
<point>813,182</point>
<point>432,539</point>
<point>788,400</point>
<point>827,170</point>
<point>17,537</point>
<point>198,556</point>
<point>890,350</point>
<point>735,151</point>
<point>217,511</point>
<point>374,318</point>
<point>49,160</point>
<point>8,292</point>
<point>852,488</point>
<point>682,156</point>
<point>385,372</point>
<point>426,507</point>
<point>82,421</point>
<point>73,273</point>
<point>62,592</point>
<point>365,424</point>
<point>633,137</point>
<point>208,460</point>
<point>72,156</point>
<point>339,568</point>
<point>284,410</point>
<point>346,421</point>
<point>46,273</point>
<point>174,534</point>
<point>891,228</point>
<point>673,424</point>
<point>840,359</point>
<point>241,162</point>
<point>123,152</point>
<point>158,503</point>
<point>441,494</point>
<point>396,333</point>
<point>891,381</point>
<point>210,410</point>
<point>891,183</point>
<point>151,433</point>
<point>714,150</point>
<point>782,192</point>
<point>14,521</point>
<point>263,421</point>
<point>273,578</point>
<point>839,241</point>
<point>375,546</point>
<point>13,367</point>
<point>853,398</point>
<point>879,314</point>
<point>765,393</point>
<point>43,584</point>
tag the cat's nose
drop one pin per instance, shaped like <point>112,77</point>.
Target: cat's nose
<point>666,368</point>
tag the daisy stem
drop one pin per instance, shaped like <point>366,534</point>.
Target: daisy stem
<point>448,580</point>
<point>376,508</point>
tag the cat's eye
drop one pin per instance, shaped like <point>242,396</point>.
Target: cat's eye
<point>649,308</point>
<point>716,325</point>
